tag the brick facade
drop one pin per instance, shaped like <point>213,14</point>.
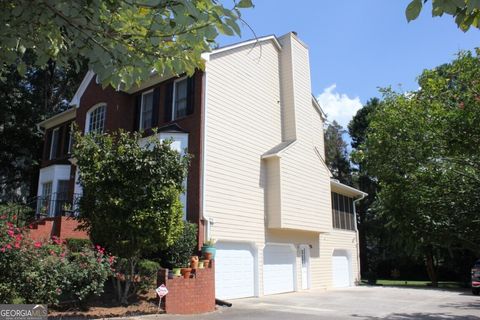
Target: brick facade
<point>189,296</point>
<point>61,227</point>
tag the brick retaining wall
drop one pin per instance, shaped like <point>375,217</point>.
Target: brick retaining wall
<point>189,296</point>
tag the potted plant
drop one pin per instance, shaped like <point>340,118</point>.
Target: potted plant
<point>177,272</point>
<point>206,263</point>
<point>209,247</point>
<point>186,272</point>
<point>178,255</point>
<point>194,262</point>
<point>200,265</point>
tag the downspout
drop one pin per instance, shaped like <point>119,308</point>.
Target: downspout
<point>204,216</point>
<point>356,232</point>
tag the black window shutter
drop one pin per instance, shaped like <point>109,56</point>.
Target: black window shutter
<point>48,143</point>
<point>190,94</point>
<point>66,138</point>
<point>138,108</point>
<point>155,106</point>
<point>168,102</point>
<point>60,133</point>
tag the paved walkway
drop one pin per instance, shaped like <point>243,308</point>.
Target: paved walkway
<point>369,303</point>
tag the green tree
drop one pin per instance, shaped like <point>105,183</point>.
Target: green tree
<point>336,153</point>
<point>465,12</point>
<point>25,101</point>
<point>124,41</point>
<point>130,201</point>
<point>370,226</point>
<point>423,147</point>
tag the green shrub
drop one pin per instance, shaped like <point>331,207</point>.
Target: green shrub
<point>77,245</point>
<point>47,272</point>
<point>178,254</point>
<point>85,274</point>
<point>147,267</point>
<point>18,214</point>
<point>147,270</point>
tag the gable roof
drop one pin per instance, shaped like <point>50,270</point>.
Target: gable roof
<point>81,89</point>
<point>273,38</point>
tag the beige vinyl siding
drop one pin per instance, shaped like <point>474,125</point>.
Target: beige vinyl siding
<point>305,190</point>
<point>243,122</point>
<point>305,184</point>
<point>298,238</point>
<point>340,240</point>
<point>258,99</point>
<point>287,92</point>
<point>273,208</point>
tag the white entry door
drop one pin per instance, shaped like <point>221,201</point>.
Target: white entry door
<point>234,271</point>
<point>305,256</point>
<point>278,269</point>
<point>340,269</point>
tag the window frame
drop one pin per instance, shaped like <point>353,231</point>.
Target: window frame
<point>343,212</point>
<point>174,98</point>
<point>88,118</point>
<point>70,139</point>
<point>52,155</point>
<point>140,125</point>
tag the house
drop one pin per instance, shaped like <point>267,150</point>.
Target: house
<point>257,183</point>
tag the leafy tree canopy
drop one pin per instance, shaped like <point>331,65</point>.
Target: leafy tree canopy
<point>131,195</point>
<point>123,40</point>
<point>336,153</point>
<point>130,202</point>
<point>25,101</point>
<point>423,148</point>
<point>465,12</point>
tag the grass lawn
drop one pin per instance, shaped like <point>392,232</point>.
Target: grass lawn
<point>416,284</point>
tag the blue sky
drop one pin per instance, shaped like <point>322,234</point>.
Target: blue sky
<point>357,46</point>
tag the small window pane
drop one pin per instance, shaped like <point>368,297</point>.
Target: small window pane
<point>147,111</point>
<point>180,101</point>
<point>44,202</point>
<point>97,120</point>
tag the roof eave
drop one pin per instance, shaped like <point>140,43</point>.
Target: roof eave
<point>206,55</point>
<point>348,189</point>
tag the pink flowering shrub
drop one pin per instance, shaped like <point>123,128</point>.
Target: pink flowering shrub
<point>48,272</point>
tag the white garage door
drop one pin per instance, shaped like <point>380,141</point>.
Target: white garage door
<point>278,269</point>
<point>234,271</point>
<point>340,270</point>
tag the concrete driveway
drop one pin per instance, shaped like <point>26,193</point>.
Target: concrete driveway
<point>352,303</point>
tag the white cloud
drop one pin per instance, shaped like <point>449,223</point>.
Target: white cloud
<point>338,106</point>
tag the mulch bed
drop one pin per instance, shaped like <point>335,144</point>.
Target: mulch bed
<point>105,306</point>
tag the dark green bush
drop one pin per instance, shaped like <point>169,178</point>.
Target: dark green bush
<point>147,270</point>
<point>147,267</point>
<point>178,254</point>
<point>77,245</point>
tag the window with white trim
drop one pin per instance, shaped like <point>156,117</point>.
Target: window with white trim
<point>95,121</point>
<point>44,202</point>
<point>146,112</point>
<point>54,143</point>
<point>180,95</point>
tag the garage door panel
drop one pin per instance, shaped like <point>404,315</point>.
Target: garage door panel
<point>340,270</point>
<point>278,269</point>
<point>234,271</point>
